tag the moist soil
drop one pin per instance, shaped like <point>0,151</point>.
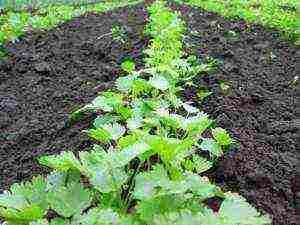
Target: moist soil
<point>258,109</point>
<point>50,73</point>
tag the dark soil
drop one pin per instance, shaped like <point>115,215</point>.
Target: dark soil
<point>50,73</point>
<point>259,110</point>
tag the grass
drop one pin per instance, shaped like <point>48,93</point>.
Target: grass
<point>278,14</point>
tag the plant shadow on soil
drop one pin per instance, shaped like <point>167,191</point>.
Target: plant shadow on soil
<point>50,73</point>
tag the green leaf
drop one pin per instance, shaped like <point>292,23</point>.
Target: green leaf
<point>13,201</point>
<point>235,210</point>
<point>141,108</point>
<point>182,150</point>
<point>100,103</point>
<point>124,111</point>
<point>197,164</point>
<point>105,170</point>
<point>107,216</point>
<point>157,103</point>
<point>188,217</point>
<point>28,213</point>
<point>203,94</point>
<point>103,174</point>
<point>196,125</point>
<point>70,200</point>
<point>200,186</point>
<point>55,221</point>
<point>56,179</point>
<point>126,83</point>
<point>128,65</point>
<point>190,109</point>
<point>222,137</point>
<point>107,102</point>
<point>61,221</point>
<point>123,157</point>
<point>157,183</point>
<point>107,179</point>
<point>103,119</point>
<point>163,146</point>
<point>208,217</point>
<point>172,120</point>
<point>201,164</point>
<point>40,222</point>
<point>159,82</point>
<point>134,122</point>
<point>62,162</point>
<point>100,134</point>
<point>140,86</point>
<point>151,122</point>
<point>115,130</point>
<point>210,145</point>
<point>184,217</point>
<point>97,216</point>
<point>127,141</point>
<point>145,183</point>
<point>171,150</point>
<point>174,100</point>
<point>24,202</point>
<point>149,209</point>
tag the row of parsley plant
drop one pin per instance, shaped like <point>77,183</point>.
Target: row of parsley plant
<point>144,169</point>
<point>14,25</point>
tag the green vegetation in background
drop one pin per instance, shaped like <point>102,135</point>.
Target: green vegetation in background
<point>14,24</point>
<point>36,4</point>
<point>279,14</point>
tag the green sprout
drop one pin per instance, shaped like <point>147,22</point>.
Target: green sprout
<point>128,65</point>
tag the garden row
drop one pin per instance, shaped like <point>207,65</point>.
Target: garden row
<point>151,148</point>
<point>13,25</point>
<point>282,14</point>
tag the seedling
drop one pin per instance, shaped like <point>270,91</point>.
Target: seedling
<point>128,65</point>
<point>231,34</point>
<point>224,86</point>
<point>118,33</point>
<point>222,136</point>
<point>202,94</point>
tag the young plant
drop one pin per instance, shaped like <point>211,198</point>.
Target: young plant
<point>118,33</point>
<point>143,170</point>
<point>128,65</point>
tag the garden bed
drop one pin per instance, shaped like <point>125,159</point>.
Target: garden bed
<point>259,109</point>
<point>51,73</point>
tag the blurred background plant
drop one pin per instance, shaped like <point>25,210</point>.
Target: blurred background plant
<point>19,16</point>
<point>279,14</point>
<point>17,5</point>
